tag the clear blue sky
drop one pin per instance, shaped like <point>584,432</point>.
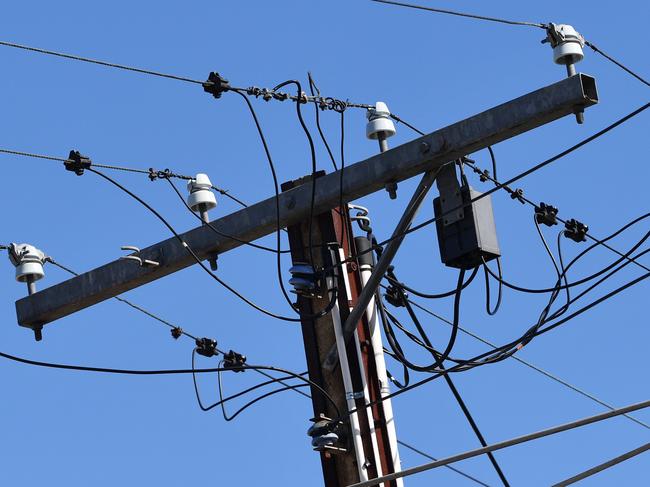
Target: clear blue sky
<point>79,429</point>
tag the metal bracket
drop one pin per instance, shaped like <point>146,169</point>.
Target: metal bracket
<point>137,258</point>
<point>450,196</point>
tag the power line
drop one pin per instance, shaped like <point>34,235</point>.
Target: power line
<point>450,467</point>
<point>531,366</point>
<point>604,466</point>
<point>463,14</point>
<point>619,64</point>
<point>505,444</point>
<point>101,63</point>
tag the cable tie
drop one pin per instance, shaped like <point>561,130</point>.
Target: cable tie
<point>576,231</point>
<point>77,163</point>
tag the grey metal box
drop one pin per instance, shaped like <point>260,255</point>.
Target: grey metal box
<point>465,243</point>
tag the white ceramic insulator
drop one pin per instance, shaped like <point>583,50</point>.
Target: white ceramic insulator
<point>201,194</point>
<point>379,121</point>
<point>569,48</point>
<point>28,261</point>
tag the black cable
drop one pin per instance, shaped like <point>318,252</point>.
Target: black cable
<point>218,232</point>
<point>312,87</point>
<point>101,63</point>
<point>459,367</point>
<point>446,294</point>
<point>276,187</point>
<point>620,65</point>
<point>475,428</point>
<point>462,14</point>
<point>312,150</point>
<point>210,273</point>
<point>489,311</point>
<point>521,175</point>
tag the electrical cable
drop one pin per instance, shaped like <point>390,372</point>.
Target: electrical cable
<point>312,87</point>
<point>460,367</point>
<point>489,311</point>
<point>620,65</point>
<point>462,14</point>
<point>445,294</point>
<point>604,466</point>
<point>101,63</point>
<point>519,176</point>
<point>426,455</point>
<point>276,187</point>
<point>203,266</point>
<point>505,444</point>
<point>218,232</point>
<point>530,365</point>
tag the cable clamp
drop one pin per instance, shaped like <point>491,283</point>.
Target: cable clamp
<point>77,163</point>
<point>546,214</point>
<point>215,84</point>
<point>206,347</point>
<point>235,361</point>
<point>517,194</point>
<point>354,395</point>
<point>154,174</point>
<point>177,332</point>
<point>396,296</point>
<point>576,231</point>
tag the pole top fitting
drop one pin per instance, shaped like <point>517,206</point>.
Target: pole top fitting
<point>201,195</point>
<point>28,261</point>
<point>379,122</point>
<point>566,42</point>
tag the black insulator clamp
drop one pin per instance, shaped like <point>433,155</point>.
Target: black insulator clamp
<point>77,163</point>
<point>576,230</point>
<point>215,85</point>
<point>206,347</point>
<point>546,214</point>
<point>395,296</point>
<point>234,360</point>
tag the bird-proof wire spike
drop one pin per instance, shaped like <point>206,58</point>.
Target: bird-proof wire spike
<point>201,199</point>
<point>575,230</point>
<point>567,46</point>
<point>77,162</point>
<point>215,84</point>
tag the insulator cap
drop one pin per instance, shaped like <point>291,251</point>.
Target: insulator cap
<point>567,43</point>
<point>200,189</point>
<point>379,121</point>
<point>28,261</point>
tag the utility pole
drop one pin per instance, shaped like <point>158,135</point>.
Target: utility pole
<point>343,350</point>
<point>354,383</point>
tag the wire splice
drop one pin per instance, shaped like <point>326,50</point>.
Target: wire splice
<point>77,162</point>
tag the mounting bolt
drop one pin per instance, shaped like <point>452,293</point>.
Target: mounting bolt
<point>424,147</point>
<point>392,190</point>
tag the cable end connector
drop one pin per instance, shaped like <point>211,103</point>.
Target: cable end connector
<point>576,231</point>
<point>546,214</point>
<point>235,361</point>
<point>215,85</point>
<point>77,163</point>
<point>206,347</point>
